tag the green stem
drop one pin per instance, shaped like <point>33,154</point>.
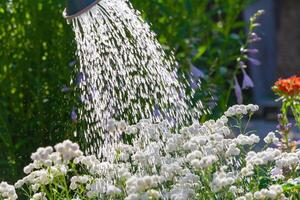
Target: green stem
<point>66,188</point>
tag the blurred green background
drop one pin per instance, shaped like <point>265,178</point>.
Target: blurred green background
<point>37,51</point>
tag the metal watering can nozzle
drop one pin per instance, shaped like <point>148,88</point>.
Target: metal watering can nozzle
<point>74,8</point>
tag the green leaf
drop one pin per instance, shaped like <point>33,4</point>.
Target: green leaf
<point>201,51</point>
<point>264,182</point>
<point>289,187</point>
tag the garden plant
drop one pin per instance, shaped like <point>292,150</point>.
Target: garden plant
<point>213,160</point>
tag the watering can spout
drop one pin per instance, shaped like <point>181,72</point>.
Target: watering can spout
<point>74,8</point>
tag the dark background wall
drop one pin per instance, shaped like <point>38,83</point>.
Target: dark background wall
<point>288,38</point>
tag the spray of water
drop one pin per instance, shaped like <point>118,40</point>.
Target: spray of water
<point>124,72</point>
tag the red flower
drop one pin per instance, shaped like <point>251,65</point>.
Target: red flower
<point>289,87</point>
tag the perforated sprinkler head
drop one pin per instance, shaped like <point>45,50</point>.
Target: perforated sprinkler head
<point>74,8</point>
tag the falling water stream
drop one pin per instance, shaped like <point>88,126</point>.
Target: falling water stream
<point>124,72</point>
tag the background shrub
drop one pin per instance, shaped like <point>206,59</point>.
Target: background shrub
<point>36,48</point>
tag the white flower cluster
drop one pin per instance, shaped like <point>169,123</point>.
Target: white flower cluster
<point>139,185</point>
<point>263,157</point>
<point>47,166</point>
<point>39,196</point>
<point>288,160</point>
<point>222,180</point>
<point>238,110</point>
<point>271,138</point>
<point>202,161</point>
<point>78,180</point>
<point>68,150</point>
<point>274,192</point>
<point>7,192</point>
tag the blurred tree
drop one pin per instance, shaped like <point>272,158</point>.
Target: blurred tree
<point>36,48</point>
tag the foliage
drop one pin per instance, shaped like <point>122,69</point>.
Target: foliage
<point>206,34</point>
<point>202,161</point>
<point>36,48</point>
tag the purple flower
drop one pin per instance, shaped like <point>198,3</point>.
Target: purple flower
<point>242,65</point>
<point>195,75</point>
<point>65,89</point>
<point>251,51</point>
<point>280,117</point>
<point>276,172</point>
<point>289,126</point>
<point>247,82</point>
<point>196,72</point>
<point>194,84</point>
<point>80,78</point>
<point>156,112</point>
<point>279,145</point>
<point>254,61</point>
<point>72,63</point>
<point>256,24</point>
<point>74,116</point>
<point>238,91</point>
<point>254,38</point>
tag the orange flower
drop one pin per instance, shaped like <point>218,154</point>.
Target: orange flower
<point>289,86</point>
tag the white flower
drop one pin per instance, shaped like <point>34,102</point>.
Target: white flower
<point>19,183</point>
<point>247,171</point>
<point>181,193</point>
<point>39,196</point>
<point>273,192</point>
<point>140,184</point>
<point>263,157</point>
<point>233,189</point>
<point>249,196</point>
<point>111,125</point>
<point>225,130</point>
<point>233,150</point>
<point>98,187</point>
<point>277,173</point>
<point>122,126</point>
<point>154,194</point>
<point>169,171</point>
<point>271,138</point>
<point>222,180</point>
<point>237,110</point>
<point>194,155</point>
<point>132,197</point>
<point>7,191</point>
<point>287,160</point>
<point>247,140</point>
<point>42,153</point>
<point>68,150</point>
<point>259,195</point>
<point>28,169</point>
<point>205,162</point>
<point>112,190</point>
